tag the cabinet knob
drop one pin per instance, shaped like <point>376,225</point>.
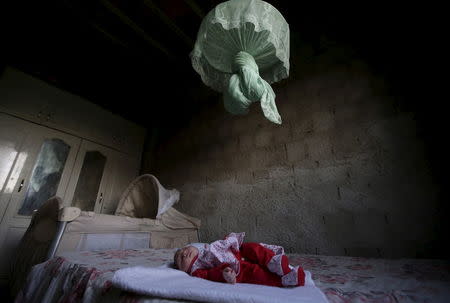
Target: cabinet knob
<point>21,185</point>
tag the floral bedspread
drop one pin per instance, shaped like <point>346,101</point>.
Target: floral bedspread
<point>370,280</point>
<point>85,277</point>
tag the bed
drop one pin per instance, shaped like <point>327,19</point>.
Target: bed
<point>71,256</point>
<point>85,276</point>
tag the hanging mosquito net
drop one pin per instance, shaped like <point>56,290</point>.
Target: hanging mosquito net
<point>242,46</point>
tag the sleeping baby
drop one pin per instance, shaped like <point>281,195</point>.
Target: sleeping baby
<point>232,261</point>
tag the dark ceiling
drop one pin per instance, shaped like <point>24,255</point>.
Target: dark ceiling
<point>132,56</point>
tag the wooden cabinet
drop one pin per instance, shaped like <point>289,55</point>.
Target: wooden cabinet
<point>99,177</point>
<point>13,133</point>
<point>56,143</point>
<point>38,166</point>
<point>124,169</point>
<point>90,177</point>
<point>24,96</point>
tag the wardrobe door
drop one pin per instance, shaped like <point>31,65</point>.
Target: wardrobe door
<point>13,133</point>
<point>125,170</point>
<point>90,177</point>
<point>42,170</point>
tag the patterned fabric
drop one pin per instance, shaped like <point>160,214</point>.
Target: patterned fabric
<point>278,250</point>
<point>219,252</point>
<point>358,280</point>
<point>291,279</point>
<point>275,265</point>
<point>85,276</point>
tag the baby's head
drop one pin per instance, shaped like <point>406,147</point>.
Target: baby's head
<point>184,257</point>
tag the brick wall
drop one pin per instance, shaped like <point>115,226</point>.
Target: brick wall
<point>345,173</point>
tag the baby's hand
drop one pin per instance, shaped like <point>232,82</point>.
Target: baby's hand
<point>229,275</point>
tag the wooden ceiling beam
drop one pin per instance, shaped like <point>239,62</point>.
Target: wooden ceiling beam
<point>136,28</point>
<point>195,8</point>
<point>108,35</point>
<point>95,25</point>
<point>144,57</point>
<point>169,22</point>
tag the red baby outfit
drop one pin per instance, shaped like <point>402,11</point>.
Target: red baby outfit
<point>255,263</point>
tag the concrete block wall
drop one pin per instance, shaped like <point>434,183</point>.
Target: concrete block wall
<point>344,174</point>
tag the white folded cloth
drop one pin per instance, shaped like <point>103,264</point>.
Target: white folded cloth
<point>167,282</point>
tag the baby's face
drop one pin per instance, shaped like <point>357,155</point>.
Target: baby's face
<point>184,256</point>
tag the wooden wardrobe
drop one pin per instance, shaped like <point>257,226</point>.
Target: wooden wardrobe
<point>55,143</point>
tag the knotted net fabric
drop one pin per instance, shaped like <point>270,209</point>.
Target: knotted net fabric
<point>242,47</point>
